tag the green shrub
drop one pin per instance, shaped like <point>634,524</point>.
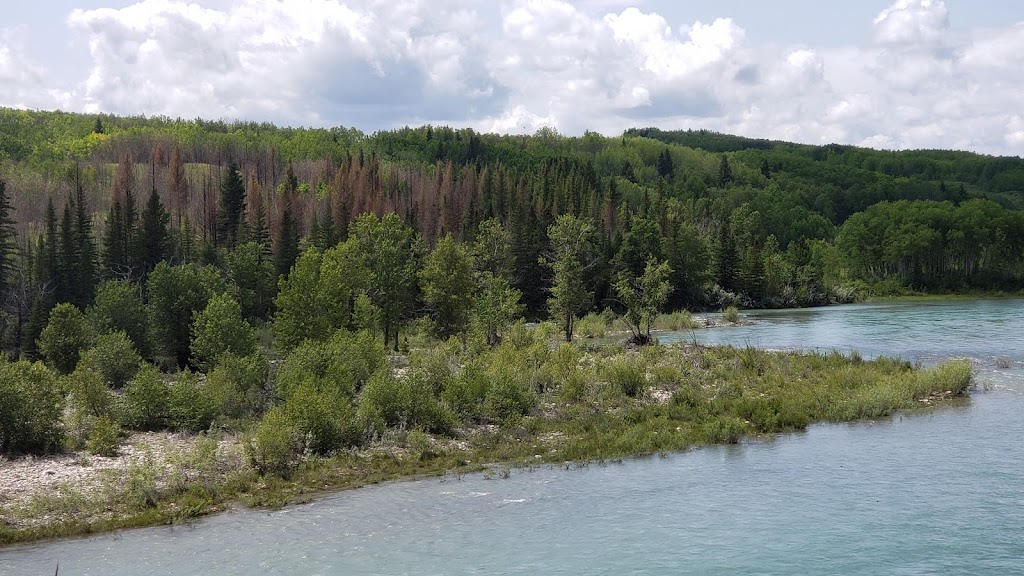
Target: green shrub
<point>678,320</point>
<point>466,391</point>
<point>238,384</point>
<point>275,445</point>
<point>146,401</point>
<point>406,403</point>
<point>324,418</point>
<point>592,325</point>
<point>31,409</point>
<point>118,307</point>
<point>627,375</point>
<point>114,358</point>
<point>346,361</point>
<point>508,396</point>
<point>731,314</point>
<point>192,407</point>
<point>65,336</point>
<point>723,430</point>
<point>105,438</point>
<point>89,399</point>
<point>220,329</point>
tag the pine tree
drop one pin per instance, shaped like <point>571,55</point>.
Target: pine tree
<point>230,207</point>
<point>154,238</point>
<point>724,172</point>
<point>67,257</point>
<point>286,249</point>
<point>8,247</point>
<point>114,250</point>
<point>85,267</point>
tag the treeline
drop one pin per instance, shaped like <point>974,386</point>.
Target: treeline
<point>132,244</point>
<point>735,221</point>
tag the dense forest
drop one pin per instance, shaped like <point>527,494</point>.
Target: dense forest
<point>133,249</point>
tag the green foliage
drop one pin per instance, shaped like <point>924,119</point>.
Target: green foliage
<point>145,401</point>
<point>402,402</point>
<point>447,283</point>
<point>731,314</point>
<point>316,299</point>
<point>643,296</point>
<point>238,384</point>
<point>89,399</point>
<point>252,279</point>
<point>572,243</point>
<point>496,306</point>
<point>275,445</point>
<point>31,408</point>
<point>192,406</point>
<point>390,254</point>
<point>114,358</point>
<point>628,375</point>
<point>105,438</point>
<point>344,363</point>
<point>219,329</point>
<point>324,417</point>
<point>119,307</point>
<point>508,396</point>
<point>176,293</point>
<point>64,338</point>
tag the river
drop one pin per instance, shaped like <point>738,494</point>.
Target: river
<point>934,492</point>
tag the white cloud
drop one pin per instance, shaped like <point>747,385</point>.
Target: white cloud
<point>22,80</point>
<point>603,65</point>
<point>912,22</point>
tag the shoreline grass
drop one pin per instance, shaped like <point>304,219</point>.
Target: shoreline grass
<point>593,405</point>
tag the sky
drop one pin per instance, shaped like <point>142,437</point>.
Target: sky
<point>892,74</point>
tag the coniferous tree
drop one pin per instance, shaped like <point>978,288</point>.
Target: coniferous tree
<point>230,207</point>
<point>154,239</point>
<point>85,268</point>
<point>8,247</point>
<point>724,172</point>
<point>67,257</point>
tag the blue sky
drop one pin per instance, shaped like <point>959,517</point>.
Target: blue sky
<point>881,73</point>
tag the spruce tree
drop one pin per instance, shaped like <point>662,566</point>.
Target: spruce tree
<point>154,238</point>
<point>85,280</point>
<point>230,207</point>
<point>8,247</point>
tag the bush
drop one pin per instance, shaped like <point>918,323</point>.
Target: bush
<point>275,445</point>
<point>731,314</point>
<point>220,329</point>
<point>192,408</point>
<point>65,336</point>
<point>508,396</point>
<point>466,391</point>
<point>592,325</point>
<point>626,375</point>
<point>114,358</point>
<point>146,401</point>
<point>31,408</point>
<point>238,384</point>
<point>324,418</point>
<point>118,307</point>
<point>89,400</point>
<point>105,438</point>
<point>406,403</point>
<point>346,361</point>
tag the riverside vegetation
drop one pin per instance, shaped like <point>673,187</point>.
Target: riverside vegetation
<point>343,413</point>
<point>316,309</point>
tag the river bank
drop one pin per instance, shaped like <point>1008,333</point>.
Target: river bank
<point>592,405</point>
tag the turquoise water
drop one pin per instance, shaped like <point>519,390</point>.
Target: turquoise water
<point>937,492</point>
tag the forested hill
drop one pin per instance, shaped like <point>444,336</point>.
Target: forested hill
<point>737,220</point>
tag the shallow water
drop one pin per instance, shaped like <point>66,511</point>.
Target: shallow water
<point>938,492</point>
